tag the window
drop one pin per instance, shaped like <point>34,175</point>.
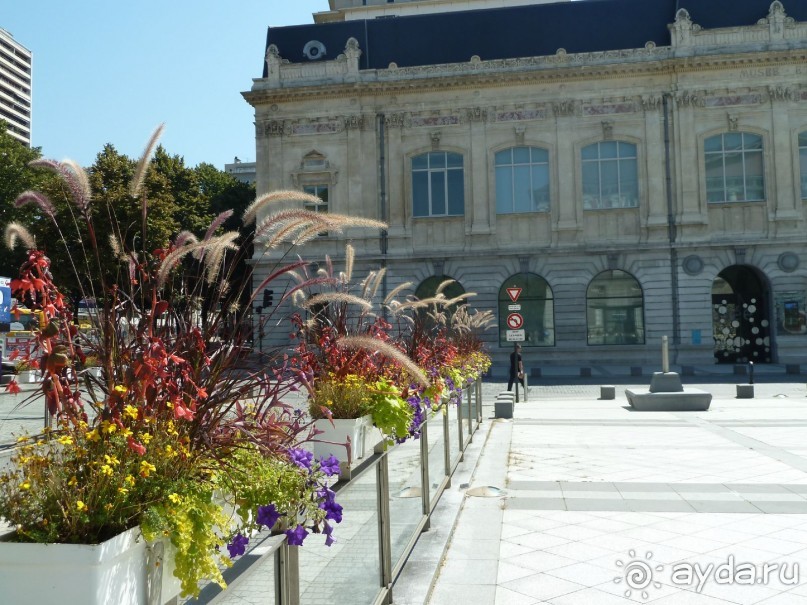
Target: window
<point>610,175</point>
<point>615,309</point>
<point>533,310</point>
<point>522,180</point>
<point>437,184</point>
<point>320,191</point>
<point>803,162</point>
<point>734,168</point>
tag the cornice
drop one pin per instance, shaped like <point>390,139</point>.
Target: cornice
<point>561,72</point>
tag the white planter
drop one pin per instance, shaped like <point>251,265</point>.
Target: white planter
<point>124,570</point>
<point>337,434</point>
<point>28,376</point>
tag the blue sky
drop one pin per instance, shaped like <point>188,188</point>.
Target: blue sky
<point>110,71</point>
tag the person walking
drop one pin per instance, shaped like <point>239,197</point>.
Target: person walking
<point>516,368</point>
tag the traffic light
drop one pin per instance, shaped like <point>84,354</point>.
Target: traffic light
<point>267,297</point>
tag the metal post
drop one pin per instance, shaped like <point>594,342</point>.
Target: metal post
<point>665,355</point>
<point>479,398</point>
<point>287,575</point>
<point>446,445</point>
<point>470,417</point>
<point>384,538</point>
<point>424,474</point>
<point>750,372</point>
<point>459,432</point>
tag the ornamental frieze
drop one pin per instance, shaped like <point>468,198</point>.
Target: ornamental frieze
<point>564,108</point>
<point>604,109</point>
<point>331,127</point>
<point>733,100</point>
<point>418,122</point>
<point>518,115</point>
<point>354,122</point>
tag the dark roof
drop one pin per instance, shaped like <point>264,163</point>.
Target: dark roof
<point>523,31</point>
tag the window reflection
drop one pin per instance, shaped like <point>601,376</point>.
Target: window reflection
<point>615,309</point>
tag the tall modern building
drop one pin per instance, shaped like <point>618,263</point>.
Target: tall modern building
<point>15,87</point>
<point>601,173</point>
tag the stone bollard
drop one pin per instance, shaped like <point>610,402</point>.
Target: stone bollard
<point>607,391</point>
<point>503,407</point>
<point>745,391</point>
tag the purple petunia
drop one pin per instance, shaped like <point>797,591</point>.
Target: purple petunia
<point>329,465</point>
<point>301,458</point>
<point>332,508</point>
<point>268,515</point>
<point>328,531</point>
<point>296,536</point>
<point>238,545</point>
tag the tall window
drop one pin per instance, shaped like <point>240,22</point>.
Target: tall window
<point>522,180</point>
<point>610,175</point>
<point>734,168</point>
<point>615,309</point>
<point>803,161</point>
<point>320,191</point>
<point>437,184</point>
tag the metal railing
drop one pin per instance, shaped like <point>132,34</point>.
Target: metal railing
<point>388,501</point>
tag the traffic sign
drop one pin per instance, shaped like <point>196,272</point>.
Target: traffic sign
<point>516,336</point>
<point>514,307</point>
<point>514,293</point>
<point>515,321</point>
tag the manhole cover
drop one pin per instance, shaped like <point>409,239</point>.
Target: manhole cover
<point>485,491</point>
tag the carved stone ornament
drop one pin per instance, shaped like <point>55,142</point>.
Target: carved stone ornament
<point>355,122</point>
<point>733,122</point>
<point>564,108</point>
<point>650,102</point>
<point>396,120</point>
<point>476,114</point>
<point>435,137</point>
<point>776,20</point>
<point>788,262</point>
<point>692,264</point>
<point>682,29</point>
<point>275,128</point>
<point>688,98</point>
<point>607,129</point>
<point>520,131</point>
<point>781,93</point>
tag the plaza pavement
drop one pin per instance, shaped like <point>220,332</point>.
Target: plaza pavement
<point>599,502</point>
<point>590,489</point>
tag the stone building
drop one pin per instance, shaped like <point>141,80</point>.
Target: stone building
<point>601,173</point>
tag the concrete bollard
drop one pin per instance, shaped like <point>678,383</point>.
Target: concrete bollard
<point>745,391</point>
<point>607,391</point>
<point>503,407</point>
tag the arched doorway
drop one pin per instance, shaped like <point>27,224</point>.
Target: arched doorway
<point>741,316</point>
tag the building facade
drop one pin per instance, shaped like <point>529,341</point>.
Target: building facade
<point>600,174</point>
<point>15,87</point>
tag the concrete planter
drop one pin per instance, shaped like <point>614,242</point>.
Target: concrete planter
<point>124,570</point>
<point>363,438</point>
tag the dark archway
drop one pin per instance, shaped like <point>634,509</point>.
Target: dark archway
<point>741,322</point>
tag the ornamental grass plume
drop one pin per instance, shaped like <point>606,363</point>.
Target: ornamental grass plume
<point>177,414</point>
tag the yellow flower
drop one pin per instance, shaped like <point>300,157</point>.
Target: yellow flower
<point>175,498</point>
<point>25,485</point>
<point>146,468</point>
<point>73,481</point>
<point>121,389</point>
<point>109,427</point>
<point>81,506</point>
<point>127,432</point>
<point>65,440</point>
<point>92,435</point>
<point>111,460</point>
<point>169,451</point>
<point>108,506</point>
<point>145,438</point>
<point>131,411</point>
<point>106,470</point>
<point>22,439</point>
<point>123,490</point>
<point>129,480</point>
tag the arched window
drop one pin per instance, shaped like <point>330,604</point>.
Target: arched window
<point>615,309</point>
<point>610,175</point>
<point>438,184</point>
<point>803,163</point>
<point>526,311</point>
<point>522,180</point>
<point>734,168</point>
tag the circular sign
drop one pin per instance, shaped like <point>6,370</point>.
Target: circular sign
<point>515,321</point>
